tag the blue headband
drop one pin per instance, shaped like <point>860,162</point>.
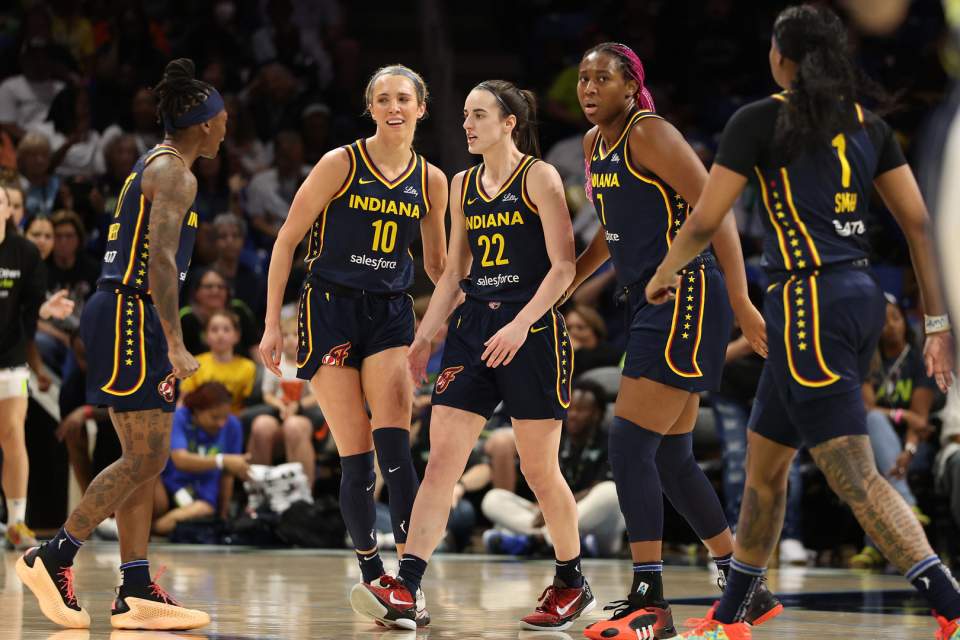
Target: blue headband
<point>196,114</point>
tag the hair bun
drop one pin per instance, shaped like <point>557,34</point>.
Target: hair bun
<point>181,68</point>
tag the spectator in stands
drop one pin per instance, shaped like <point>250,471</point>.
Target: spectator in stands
<point>25,99</point>
<point>215,190</point>
<point>583,462</point>
<point>41,187</point>
<point>15,195</point>
<point>245,283</point>
<point>295,412</point>
<point>119,155</point>
<point>70,268</point>
<point>292,43</point>
<point>143,129</point>
<point>39,231</point>
<point>210,294</point>
<point>588,334</point>
<point>247,153</point>
<point>68,129</point>
<point>276,98</point>
<point>205,441</point>
<point>270,192</point>
<point>898,396</point>
<point>315,130</point>
<point>221,364</point>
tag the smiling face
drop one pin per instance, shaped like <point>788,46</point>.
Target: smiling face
<point>394,105</point>
<point>484,123</point>
<point>603,90</point>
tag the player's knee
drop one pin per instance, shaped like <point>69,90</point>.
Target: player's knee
<point>540,474</point>
<point>145,466</point>
<point>441,471</point>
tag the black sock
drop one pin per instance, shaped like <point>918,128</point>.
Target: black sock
<point>723,566</point>
<point>411,572</point>
<point>647,587</point>
<point>569,573</point>
<point>62,549</point>
<point>371,565</point>
<point>935,582</point>
<point>136,575</point>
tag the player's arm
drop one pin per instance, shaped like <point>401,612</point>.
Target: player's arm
<point>171,188</point>
<point>597,252</point>
<point>900,193</point>
<point>325,180</point>
<point>447,294</point>
<point>433,234</point>
<point>658,146</point>
<point>546,192</point>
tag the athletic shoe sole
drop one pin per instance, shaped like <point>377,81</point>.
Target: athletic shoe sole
<point>51,604</point>
<point>150,615</point>
<point>768,616</point>
<point>369,606</point>
<point>563,626</point>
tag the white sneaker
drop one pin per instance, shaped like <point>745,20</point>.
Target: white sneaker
<point>107,530</point>
<point>792,552</point>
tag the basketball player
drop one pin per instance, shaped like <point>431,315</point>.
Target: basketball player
<point>135,349</point>
<point>512,247</point>
<point>641,175</point>
<point>815,153</point>
<point>363,206</point>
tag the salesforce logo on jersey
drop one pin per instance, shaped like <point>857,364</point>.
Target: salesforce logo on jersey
<point>374,263</point>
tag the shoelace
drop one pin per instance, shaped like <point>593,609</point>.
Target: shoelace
<point>548,600</point>
<point>621,608</point>
<point>66,581</point>
<point>159,592</point>
<point>390,582</point>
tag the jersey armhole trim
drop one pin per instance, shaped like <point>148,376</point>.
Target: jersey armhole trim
<point>523,187</point>
<point>425,184</point>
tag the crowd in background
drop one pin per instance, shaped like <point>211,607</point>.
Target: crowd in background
<point>76,111</point>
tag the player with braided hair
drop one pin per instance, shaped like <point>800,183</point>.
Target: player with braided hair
<point>643,178</point>
<point>131,329</point>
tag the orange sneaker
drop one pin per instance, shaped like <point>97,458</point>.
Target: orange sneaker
<point>949,629</point>
<point>53,588</point>
<point>710,629</point>
<point>153,609</point>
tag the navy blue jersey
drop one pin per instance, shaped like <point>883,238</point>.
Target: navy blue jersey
<point>362,238</point>
<point>815,202</point>
<point>128,235</point>
<point>640,213</point>
<point>509,251</point>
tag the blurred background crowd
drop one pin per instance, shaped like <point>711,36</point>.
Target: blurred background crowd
<point>76,111</point>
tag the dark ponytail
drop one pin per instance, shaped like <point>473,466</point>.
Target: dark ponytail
<point>179,91</point>
<point>828,81</point>
<point>522,104</point>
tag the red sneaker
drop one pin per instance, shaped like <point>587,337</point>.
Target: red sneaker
<point>386,600</point>
<point>949,629</point>
<point>559,606</point>
<point>630,622</point>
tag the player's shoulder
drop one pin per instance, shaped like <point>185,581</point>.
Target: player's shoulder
<point>168,172</point>
<point>434,172</point>
<point>590,139</point>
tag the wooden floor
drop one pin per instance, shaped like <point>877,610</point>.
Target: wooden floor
<point>254,594</point>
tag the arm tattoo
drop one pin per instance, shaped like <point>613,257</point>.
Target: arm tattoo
<point>175,188</point>
<point>851,470</point>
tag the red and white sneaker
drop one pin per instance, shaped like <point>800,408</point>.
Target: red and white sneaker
<point>559,606</point>
<point>949,629</point>
<point>387,601</point>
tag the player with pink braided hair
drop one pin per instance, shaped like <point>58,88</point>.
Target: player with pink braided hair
<point>643,179</point>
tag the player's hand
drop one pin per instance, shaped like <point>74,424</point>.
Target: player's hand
<point>417,358</point>
<point>271,347</point>
<point>938,350</point>
<point>237,465</point>
<point>753,327</point>
<point>71,424</point>
<point>662,287</point>
<point>183,363</point>
<point>58,306</point>
<point>505,343</point>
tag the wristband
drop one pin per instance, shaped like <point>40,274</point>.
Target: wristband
<point>897,416</point>
<point>911,448</point>
<point>87,412</point>
<point>936,324</point>
<point>219,460</point>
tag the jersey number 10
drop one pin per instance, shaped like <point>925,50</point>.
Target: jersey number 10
<point>384,236</point>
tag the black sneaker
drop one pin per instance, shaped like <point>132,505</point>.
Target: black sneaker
<point>763,606</point>
<point>152,608</point>
<point>53,587</point>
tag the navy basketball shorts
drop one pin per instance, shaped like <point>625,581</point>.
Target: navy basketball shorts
<point>339,327</point>
<point>822,332</point>
<point>682,344</point>
<point>536,383</point>
<point>127,364</point>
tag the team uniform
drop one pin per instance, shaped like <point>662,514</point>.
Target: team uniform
<point>128,368</point>
<point>353,302</point>
<point>509,262</point>
<point>824,311</point>
<point>682,345</point>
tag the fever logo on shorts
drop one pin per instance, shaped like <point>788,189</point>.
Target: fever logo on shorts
<point>336,356</point>
<point>446,377</point>
<point>167,387</point>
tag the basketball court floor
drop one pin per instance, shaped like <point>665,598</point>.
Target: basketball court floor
<point>253,594</point>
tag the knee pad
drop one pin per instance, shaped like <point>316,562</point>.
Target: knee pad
<point>687,487</point>
<point>396,466</point>
<point>356,499</point>
<point>633,452</point>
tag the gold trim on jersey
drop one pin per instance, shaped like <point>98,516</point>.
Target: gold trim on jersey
<point>523,189</point>
<point>318,237</point>
<point>782,96</point>
<point>829,376</point>
<point>424,185</point>
<point>117,358</point>
<point>362,146</point>
<point>463,189</point>
<point>506,185</point>
<point>859,109</point>
<point>123,193</point>
<point>796,217</point>
<point>555,315</point>
<point>679,301</point>
<point>136,238</point>
<point>305,326</point>
<point>161,150</point>
<point>632,120</point>
<point>765,196</point>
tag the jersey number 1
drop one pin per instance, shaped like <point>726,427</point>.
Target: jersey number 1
<point>384,235</point>
<point>840,144</point>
